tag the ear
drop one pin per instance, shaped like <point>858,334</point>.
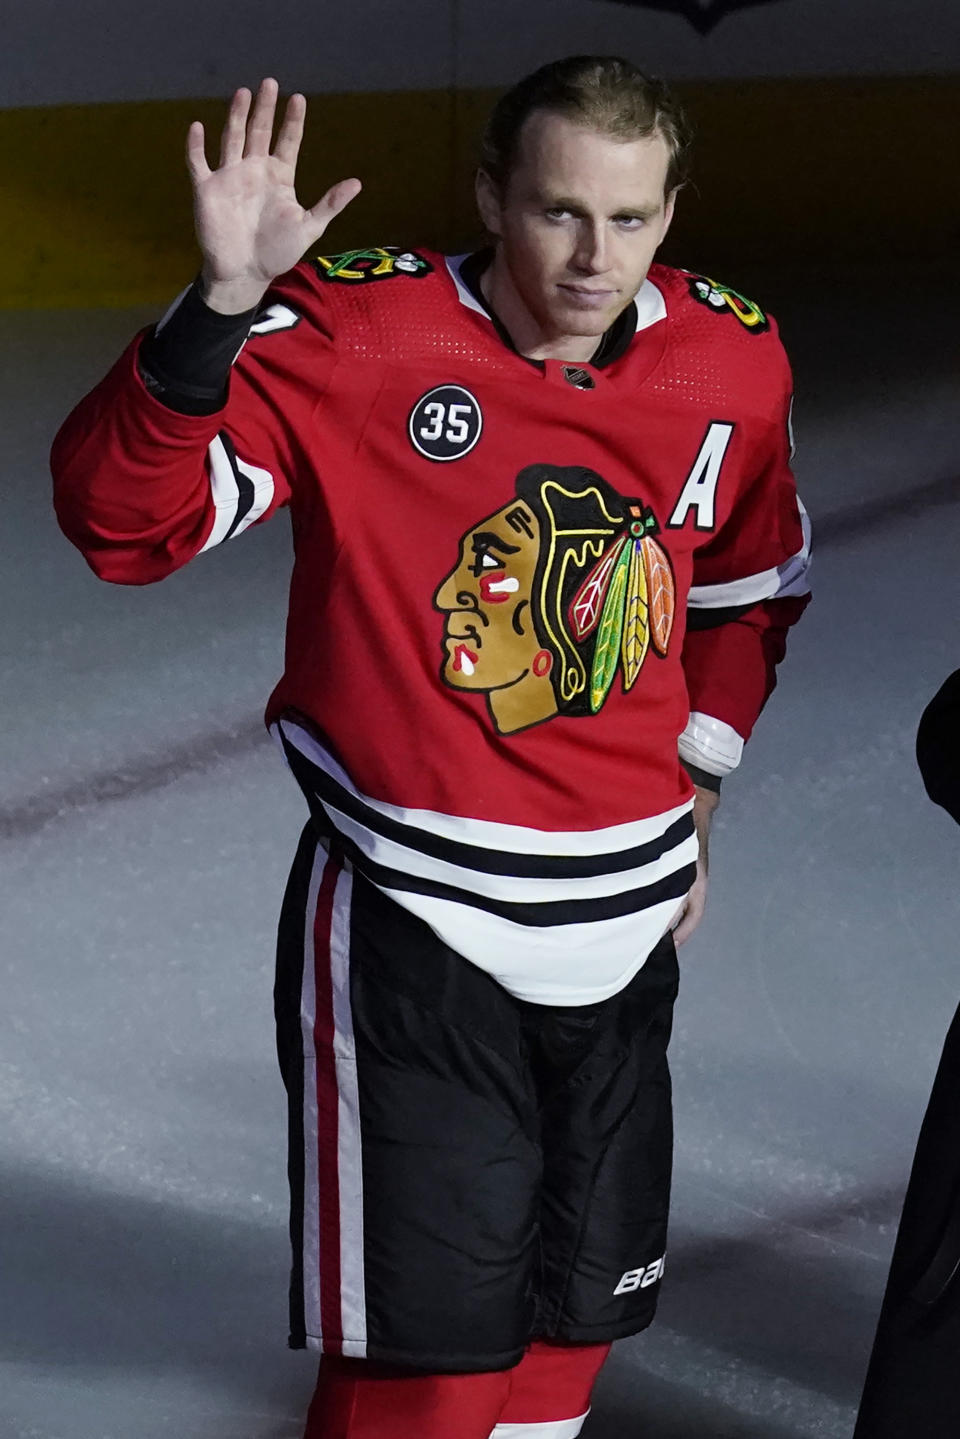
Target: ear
<point>488,203</point>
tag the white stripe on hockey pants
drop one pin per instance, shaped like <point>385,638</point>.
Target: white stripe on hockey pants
<point>551,1429</point>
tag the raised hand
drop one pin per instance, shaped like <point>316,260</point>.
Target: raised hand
<point>250,224</point>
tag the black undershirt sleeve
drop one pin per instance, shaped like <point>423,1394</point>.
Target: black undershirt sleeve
<point>702,778</point>
<point>185,361</point>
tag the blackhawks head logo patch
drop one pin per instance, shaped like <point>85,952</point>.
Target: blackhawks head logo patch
<point>722,298</point>
<point>359,267</point>
<point>553,596</point>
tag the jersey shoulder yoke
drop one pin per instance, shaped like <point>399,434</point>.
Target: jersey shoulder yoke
<point>716,331</point>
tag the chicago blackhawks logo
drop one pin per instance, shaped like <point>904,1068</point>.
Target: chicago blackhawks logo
<point>553,596</point>
<point>702,14</point>
<point>721,297</point>
<point>359,267</point>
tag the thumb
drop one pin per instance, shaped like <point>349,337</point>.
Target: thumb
<point>337,198</point>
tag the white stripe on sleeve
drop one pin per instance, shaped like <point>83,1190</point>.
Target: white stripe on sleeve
<point>790,578</point>
<point>241,493</point>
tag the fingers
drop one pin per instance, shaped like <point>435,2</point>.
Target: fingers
<point>685,928</point>
<point>290,135</point>
<point>260,128</point>
<point>249,125</point>
<point>692,914</point>
<point>234,131</point>
<point>196,153</point>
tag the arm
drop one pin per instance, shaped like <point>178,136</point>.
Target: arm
<point>750,585</point>
<point>168,455</point>
<point>705,802</point>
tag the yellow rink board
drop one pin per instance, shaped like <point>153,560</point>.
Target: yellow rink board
<point>95,206</point>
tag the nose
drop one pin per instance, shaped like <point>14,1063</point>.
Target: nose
<point>451,595</point>
<point>591,253</point>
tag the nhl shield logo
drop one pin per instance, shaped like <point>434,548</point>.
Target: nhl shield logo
<point>702,14</point>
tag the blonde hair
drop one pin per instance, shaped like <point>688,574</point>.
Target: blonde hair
<point>600,92</point>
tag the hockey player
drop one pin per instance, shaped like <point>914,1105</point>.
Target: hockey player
<point>545,533</point>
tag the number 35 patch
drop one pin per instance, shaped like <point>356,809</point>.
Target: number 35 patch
<point>445,423</point>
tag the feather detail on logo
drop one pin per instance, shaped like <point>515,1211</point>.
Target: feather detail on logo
<point>586,604</point>
<point>636,624</point>
<point>610,632</point>
<point>661,592</point>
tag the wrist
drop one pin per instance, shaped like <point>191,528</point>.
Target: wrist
<point>231,297</point>
<point>705,800</point>
<point>185,362</point>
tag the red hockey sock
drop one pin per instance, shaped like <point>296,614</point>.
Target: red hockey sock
<point>358,1399</point>
<point>550,1391</point>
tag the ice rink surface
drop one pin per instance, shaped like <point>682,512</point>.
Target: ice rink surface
<point>145,833</point>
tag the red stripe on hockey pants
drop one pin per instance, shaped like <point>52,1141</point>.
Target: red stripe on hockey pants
<point>359,1399</point>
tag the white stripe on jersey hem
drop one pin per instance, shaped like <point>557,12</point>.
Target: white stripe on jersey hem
<point>490,834</point>
<point>565,964</point>
<point>790,578</point>
<point>509,888</point>
<point>550,1429</point>
<point>226,494</point>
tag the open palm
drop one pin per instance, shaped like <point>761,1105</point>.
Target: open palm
<point>250,224</point>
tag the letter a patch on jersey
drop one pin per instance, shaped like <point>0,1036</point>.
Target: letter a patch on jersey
<point>699,492</point>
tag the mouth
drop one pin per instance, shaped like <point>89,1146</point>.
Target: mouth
<point>464,659</point>
<point>587,297</point>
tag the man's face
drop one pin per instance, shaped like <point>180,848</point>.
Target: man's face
<point>578,222</point>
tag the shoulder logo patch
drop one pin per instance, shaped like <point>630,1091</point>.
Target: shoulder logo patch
<point>445,423</point>
<point>359,267</point>
<point>721,298</point>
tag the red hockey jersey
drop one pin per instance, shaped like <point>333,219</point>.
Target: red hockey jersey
<point>487,664</point>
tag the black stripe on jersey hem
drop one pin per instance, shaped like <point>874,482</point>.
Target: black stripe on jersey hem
<point>510,864</point>
<point>246,492</point>
<point>706,618</point>
<point>542,914</point>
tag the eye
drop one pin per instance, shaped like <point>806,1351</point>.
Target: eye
<point>557,213</point>
<point>630,222</point>
<point>483,561</point>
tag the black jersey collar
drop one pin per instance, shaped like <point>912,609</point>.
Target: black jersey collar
<point>612,345</point>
